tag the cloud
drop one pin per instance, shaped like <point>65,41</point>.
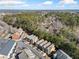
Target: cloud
<point>8,2</point>
<point>47,3</point>
<point>23,4</point>
<point>68,2</point>
<point>12,3</point>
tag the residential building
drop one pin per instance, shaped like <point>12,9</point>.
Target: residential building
<point>45,46</point>
<point>49,49</point>
<point>61,55</point>
<point>39,42</point>
<point>33,38</point>
<point>41,45</point>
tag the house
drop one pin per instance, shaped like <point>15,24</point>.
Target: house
<point>49,49</point>
<point>7,48</point>
<point>30,38</point>
<point>61,55</point>
<point>41,45</point>
<point>33,38</point>
<point>46,45</point>
<point>39,42</point>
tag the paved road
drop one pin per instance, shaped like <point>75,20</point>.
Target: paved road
<point>35,52</point>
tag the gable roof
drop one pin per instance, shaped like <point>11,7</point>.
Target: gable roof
<point>62,55</point>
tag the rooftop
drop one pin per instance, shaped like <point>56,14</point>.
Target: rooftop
<point>43,43</point>
<point>46,45</point>
<point>5,46</point>
<point>62,55</point>
<point>40,41</point>
<point>31,37</point>
<point>22,55</point>
<point>16,36</point>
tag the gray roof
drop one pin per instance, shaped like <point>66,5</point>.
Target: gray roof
<point>23,56</point>
<point>21,44</point>
<point>62,55</point>
<point>26,54</point>
<point>40,41</point>
<point>46,45</point>
<point>43,43</point>
<point>5,46</point>
<point>30,37</point>
<point>29,53</point>
<point>51,46</point>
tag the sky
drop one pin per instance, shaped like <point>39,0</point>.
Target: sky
<point>39,4</point>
